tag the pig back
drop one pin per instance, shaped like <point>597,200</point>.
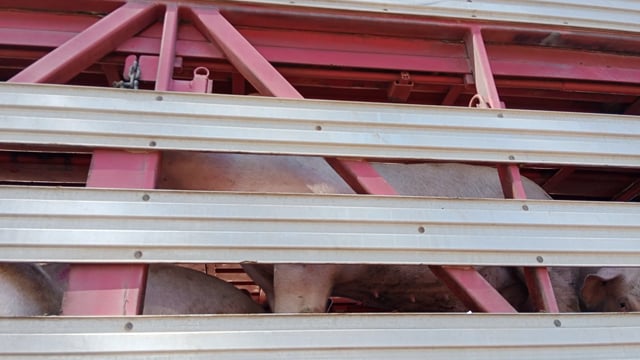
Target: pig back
<point>450,180</point>
<point>26,290</point>
<point>173,290</point>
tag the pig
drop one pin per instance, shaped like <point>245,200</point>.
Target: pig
<point>174,290</point>
<point>610,289</point>
<point>26,290</point>
<point>299,288</point>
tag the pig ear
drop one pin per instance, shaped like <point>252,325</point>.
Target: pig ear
<point>593,290</point>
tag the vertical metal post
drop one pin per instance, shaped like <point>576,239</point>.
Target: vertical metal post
<point>102,289</point>
<point>538,281</point>
<point>359,174</point>
<point>167,56</point>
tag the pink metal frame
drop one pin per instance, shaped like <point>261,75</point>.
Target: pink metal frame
<point>80,42</point>
<point>537,279</point>
<point>361,175</point>
<point>589,73</point>
<point>91,285</point>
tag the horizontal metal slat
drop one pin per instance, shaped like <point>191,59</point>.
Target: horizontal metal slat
<point>352,336</point>
<point>116,118</point>
<point>99,225</point>
<point>610,15</point>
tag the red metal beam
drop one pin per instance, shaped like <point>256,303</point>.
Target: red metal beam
<point>634,108</point>
<point>472,289</point>
<point>361,176</point>
<point>560,176</point>
<point>315,48</point>
<point>113,289</point>
<point>167,56</point>
<point>99,289</point>
<point>537,279</point>
<point>84,49</point>
<point>630,193</point>
<point>544,62</point>
<point>249,62</point>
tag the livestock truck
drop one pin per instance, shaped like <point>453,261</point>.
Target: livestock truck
<point>95,93</point>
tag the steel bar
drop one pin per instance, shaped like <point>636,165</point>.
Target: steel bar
<point>101,225</point>
<point>85,294</point>
<point>255,68</point>
<point>370,52</point>
<point>353,336</point>
<point>167,55</point>
<point>537,279</point>
<point>115,118</point>
<point>84,49</point>
<point>115,289</point>
<point>472,289</point>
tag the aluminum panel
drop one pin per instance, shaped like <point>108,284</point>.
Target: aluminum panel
<point>349,336</point>
<point>99,225</point>
<point>142,120</point>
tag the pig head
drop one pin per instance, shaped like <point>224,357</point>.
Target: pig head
<point>611,290</point>
<point>306,287</point>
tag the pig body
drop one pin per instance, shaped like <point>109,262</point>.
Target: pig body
<point>173,290</point>
<point>306,287</point>
<point>26,290</point>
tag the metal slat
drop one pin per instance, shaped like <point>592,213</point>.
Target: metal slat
<point>344,336</point>
<point>115,118</point>
<point>91,225</point>
<point>609,15</point>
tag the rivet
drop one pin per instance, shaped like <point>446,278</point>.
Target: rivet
<point>152,143</point>
<point>511,157</point>
<point>539,259</point>
<point>557,323</point>
<point>421,229</point>
<point>525,207</point>
<point>159,98</point>
<point>500,115</point>
<point>318,127</point>
<point>146,197</point>
<point>128,326</point>
<point>137,254</point>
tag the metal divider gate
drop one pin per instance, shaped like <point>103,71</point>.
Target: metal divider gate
<point>127,156</point>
